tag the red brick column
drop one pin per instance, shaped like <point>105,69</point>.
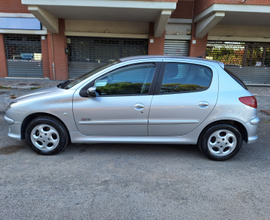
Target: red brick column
<point>58,61</point>
<point>3,61</point>
<point>198,48</point>
<point>156,48</point>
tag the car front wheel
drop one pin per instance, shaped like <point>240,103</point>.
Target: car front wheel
<point>46,135</point>
<point>221,142</point>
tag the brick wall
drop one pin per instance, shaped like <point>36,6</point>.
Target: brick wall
<point>201,5</point>
<point>184,9</point>
<point>156,48</point>
<point>13,6</point>
<point>3,61</point>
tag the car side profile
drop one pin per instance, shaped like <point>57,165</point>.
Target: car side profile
<point>144,99</point>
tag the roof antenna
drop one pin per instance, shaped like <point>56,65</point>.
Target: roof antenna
<point>202,55</point>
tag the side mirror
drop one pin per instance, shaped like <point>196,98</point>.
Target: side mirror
<point>91,92</point>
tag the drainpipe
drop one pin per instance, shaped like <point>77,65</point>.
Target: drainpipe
<point>53,69</point>
<point>193,9</point>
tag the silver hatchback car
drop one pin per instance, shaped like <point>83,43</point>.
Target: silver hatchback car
<point>145,99</point>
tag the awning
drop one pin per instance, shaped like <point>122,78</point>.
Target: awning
<point>229,14</point>
<point>48,11</point>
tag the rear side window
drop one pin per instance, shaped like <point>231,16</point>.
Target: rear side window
<point>185,77</point>
<point>236,78</point>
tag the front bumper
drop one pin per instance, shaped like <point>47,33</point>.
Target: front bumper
<point>14,128</point>
<point>8,120</point>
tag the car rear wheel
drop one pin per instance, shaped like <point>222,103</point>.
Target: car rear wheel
<point>221,142</point>
<point>46,135</point>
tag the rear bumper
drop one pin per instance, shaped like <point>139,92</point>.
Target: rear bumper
<point>255,121</point>
<point>252,140</point>
<point>252,130</point>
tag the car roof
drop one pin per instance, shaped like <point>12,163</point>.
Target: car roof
<point>149,57</point>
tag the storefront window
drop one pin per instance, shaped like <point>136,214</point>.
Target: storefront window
<point>239,53</point>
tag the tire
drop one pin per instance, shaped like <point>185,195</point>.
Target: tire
<point>221,142</point>
<point>46,135</point>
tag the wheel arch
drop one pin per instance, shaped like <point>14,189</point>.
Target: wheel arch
<point>236,124</point>
<point>29,118</point>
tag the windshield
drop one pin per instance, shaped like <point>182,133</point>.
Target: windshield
<point>69,84</point>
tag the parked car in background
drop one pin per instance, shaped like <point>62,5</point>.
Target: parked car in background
<point>145,99</point>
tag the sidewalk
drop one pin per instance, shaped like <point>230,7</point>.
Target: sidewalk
<point>28,84</point>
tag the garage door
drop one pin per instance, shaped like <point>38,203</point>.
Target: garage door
<point>176,47</point>
<point>88,53</point>
<point>23,54</point>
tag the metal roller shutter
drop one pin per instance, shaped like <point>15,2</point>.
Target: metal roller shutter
<point>249,61</point>
<point>176,47</point>
<point>251,75</point>
<point>88,53</point>
<point>23,54</point>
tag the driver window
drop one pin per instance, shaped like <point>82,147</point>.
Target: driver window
<point>134,79</point>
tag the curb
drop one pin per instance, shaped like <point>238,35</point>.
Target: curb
<point>265,111</point>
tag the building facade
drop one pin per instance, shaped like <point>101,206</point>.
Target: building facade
<point>62,40</point>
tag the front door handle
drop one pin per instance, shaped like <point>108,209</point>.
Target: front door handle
<point>203,104</point>
<point>139,106</point>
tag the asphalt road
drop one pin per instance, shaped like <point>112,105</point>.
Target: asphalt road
<point>112,181</point>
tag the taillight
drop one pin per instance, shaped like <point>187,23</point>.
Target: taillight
<point>249,100</point>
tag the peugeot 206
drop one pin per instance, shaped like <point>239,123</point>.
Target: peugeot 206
<point>144,99</point>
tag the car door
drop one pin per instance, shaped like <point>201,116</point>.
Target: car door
<point>122,105</point>
<point>186,95</point>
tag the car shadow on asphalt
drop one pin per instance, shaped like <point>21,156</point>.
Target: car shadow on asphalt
<point>136,149</point>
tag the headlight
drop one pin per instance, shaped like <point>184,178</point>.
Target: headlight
<point>10,105</point>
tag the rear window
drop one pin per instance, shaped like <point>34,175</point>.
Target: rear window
<point>236,78</point>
